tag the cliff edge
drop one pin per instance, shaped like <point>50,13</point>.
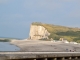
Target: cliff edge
<point>38,32</point>
<point>42,31</point>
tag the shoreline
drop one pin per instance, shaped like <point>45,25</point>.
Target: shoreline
<point>44,46</point>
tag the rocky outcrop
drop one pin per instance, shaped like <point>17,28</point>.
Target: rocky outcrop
<point>38,32</point>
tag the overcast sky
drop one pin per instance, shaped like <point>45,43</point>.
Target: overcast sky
<point>17,15</point>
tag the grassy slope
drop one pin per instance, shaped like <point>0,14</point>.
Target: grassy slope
<point>56,32</point>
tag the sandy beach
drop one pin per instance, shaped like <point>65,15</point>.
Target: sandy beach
<point>45,46</point>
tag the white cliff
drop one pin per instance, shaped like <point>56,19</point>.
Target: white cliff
<point>38,32</point>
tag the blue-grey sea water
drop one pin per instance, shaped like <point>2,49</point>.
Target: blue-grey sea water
<point>6,46</point>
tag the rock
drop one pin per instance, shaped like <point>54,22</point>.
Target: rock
<point>38,32</point>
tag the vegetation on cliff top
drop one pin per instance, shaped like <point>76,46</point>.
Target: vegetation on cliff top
<point>57,32</point>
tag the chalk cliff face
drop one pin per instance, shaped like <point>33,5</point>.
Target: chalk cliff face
<point>38,32</point>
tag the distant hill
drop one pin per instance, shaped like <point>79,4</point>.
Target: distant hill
<point>9,38</point>
<point>57,32</point>
<point>6,39</point>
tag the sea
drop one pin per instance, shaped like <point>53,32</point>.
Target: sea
<point>7,46</point>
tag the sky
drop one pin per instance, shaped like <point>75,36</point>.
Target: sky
<point>16,16</point>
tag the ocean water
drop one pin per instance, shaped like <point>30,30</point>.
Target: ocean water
<point>6,46</point>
